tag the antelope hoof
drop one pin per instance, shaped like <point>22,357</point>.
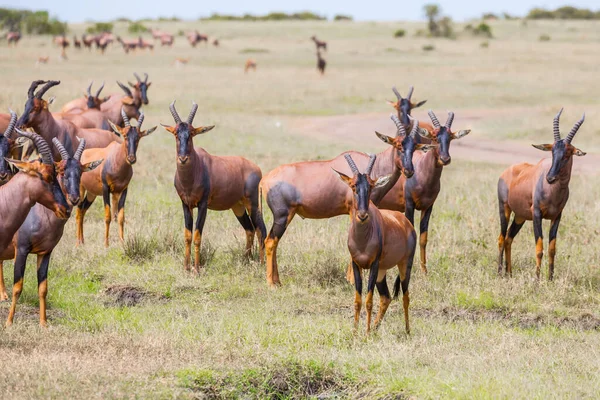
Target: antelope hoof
<point>8,324</point>
<point>44,324</point>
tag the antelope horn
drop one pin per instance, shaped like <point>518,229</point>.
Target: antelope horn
<point>351,164</point>
<point>174,113</point>
<point>64,154</point>
<point>192,113</point>
<point>99,90</point>
<point>556,126</point>
<point>397,93</point>
<point>137,77</point>
<point>79,151</point>
<point>11,124</point>
<point>125,89</point>
<point>574,130</point>
<point>372,158</point>
<point>89,89</point>
<point>410,92</point>
<point>34,85</point>
<point>400,127</point>
<point>449,120</point>
<point>45,88</point>
<point>434,119</point>
<point>40,144</point>
<point>125,117</point>
<point>415,128</point>
<point>140,120</point>
<point>145,77</point>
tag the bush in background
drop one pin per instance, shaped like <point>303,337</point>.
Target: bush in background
<point>399,33</point>
<point>137,27</point>
<point>100,27</point>
<point>32,22</point>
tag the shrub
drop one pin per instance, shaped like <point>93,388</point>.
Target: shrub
<point>544,38</point>
<point>137,27</point>
<point>33,22</point>
<point>483,29</point>
<point>489,16</point>
<point>484,45</point>
<point>100,27</point>
<point>399,33</point>
<point>428,47</point>
<point>342,17</point>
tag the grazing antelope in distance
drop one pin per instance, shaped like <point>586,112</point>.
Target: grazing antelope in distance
<point>321,63</point>
<point>143,44</point>
<point>87,41</point>
<point>35,183</point>
<point>42,60</point>
<point>42,230</point>
<point>112,177</point>
<point>180,62</point>
<point>320,44</point>
<point>157,33</point>
<point>37,116</point>
<point>309,190</point>
<point>250,65</point>
<point>420,191</point>
<point>128,45</point>
<point>195,37</point>
<point>404,106</point>
<point>377,240</point>
<point>167,40</point>
<point>216,43</point>
<point>536,192</point>
<point>62,41</point>
<point>76,42</point>
<point>13,38</point>
<point>219,183</point>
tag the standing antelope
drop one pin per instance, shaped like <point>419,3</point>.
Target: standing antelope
<point>13,38</point>
<point>319,43</point>
<point>377,240</point>
<point>219,183</point>
<point>536,192</point>
<point>112,177</point>
<point>321,63</point>
<point>8,149</point>
<point>404,107</point>
<point>76,42</point>
<point>42,230</point>
<point>89,118</point>
<point>143,44</point>
<point>167,40</point>
<point>250,65</point>
<point>35,183</point>
<point>309,190</point>
<point>37,116</point>
<point>87,41</point>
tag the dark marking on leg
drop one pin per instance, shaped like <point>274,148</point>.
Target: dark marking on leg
<point>552,246</point>
<point>425,215</point>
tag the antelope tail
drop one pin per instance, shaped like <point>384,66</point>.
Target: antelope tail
<point>397,287</point>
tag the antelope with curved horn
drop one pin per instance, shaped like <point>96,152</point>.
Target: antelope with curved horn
<point>309,190</point>
<point>378,240</point>
<point>35,183</point>
<point>112,177</point>
<point>89,101</point>
<point>536,192</point>
<point>9,147</point>
<point>404,107</point>
<point>205,181</point>
<point>92,117</point>
<point>319,44</point>
<point>42,230</point>
<point>420,191</point>
<point>37,116</point>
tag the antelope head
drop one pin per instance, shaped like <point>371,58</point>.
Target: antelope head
<point>405,145</point>
<point>94,101</point>
<point>184,132</point>
<point>404,105</point>
<point>45,187</point>
<point>141,86</point>
<point>361,185</point>
<point>7,146</point>
<point>35,105</point>
<point>562,149</point>
<point>443,135</point>
<point>69,170</point>
<point>131,135</point>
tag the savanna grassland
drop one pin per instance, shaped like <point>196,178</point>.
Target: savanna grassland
<point>127,322</point>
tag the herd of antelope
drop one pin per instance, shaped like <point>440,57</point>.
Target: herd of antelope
<point>52,162</point>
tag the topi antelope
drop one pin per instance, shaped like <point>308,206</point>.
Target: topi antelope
<point>128,45</point>
<point>37,116</point>
<point>112,177</point>
<point>195,37</point>
<point>167,40</point>
<point>8,149</point>
<point>404,107</point>
<point>321,63</point>
<point>309,190</point>
<point>536,192</point>
<point>42,230</point>
<point>76,42</point>
<point>36,182</point>
<point>13,38</point>
<point>144,44</point>
<point>218,183</point>
<point>319,44</point>
<point>378,240</point>
<point>92,116</point>
<point>250,65</point>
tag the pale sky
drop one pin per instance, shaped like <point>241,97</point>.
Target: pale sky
<point>101,10</point>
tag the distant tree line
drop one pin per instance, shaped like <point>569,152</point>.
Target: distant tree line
<point>566,12</point>
<point>31,22</point>
<point>273,16</point>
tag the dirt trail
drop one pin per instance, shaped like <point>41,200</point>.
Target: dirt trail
<point>357,130</point>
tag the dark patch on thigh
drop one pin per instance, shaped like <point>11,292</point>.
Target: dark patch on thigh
<point>283,196</point>
<point>502,190</point>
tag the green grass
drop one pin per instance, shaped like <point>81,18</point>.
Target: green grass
<point>129,322</point>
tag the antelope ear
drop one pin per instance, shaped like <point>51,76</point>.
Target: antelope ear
<point>148,84</point>
<point>172,129</point>
<point>384,138</point>
<point>345,178</point>
<point>91,165</point>
<point>579,153</point>
<point>425,147</point>
<point>115,128</point>
<point>460,134</point>
<point>148,131</point>
<point>128,101</point>
<point>543,147</point>
<point>22,166</point>
<point>419,104</point>
<point>131,84</point>
<point>382,181</point>
<point>106,98</point>
<point>202,129</point>
<point>425,133</point>
<point>393,104</point>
